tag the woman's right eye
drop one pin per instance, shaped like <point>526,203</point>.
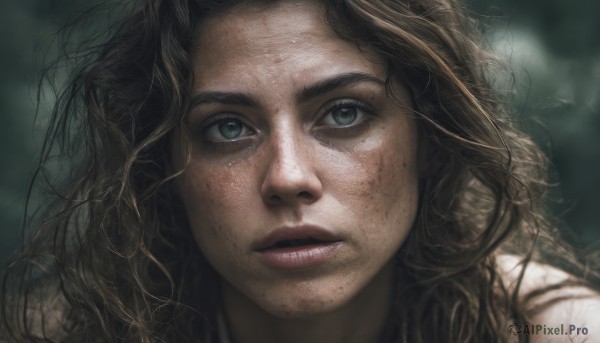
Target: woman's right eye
<point>226,130</point>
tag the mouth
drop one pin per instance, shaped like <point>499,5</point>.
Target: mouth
<point>295,243</point>
<point>296,237</point>
<point>297,247</point>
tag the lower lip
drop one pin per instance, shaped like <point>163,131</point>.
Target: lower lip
<point>299,257</point>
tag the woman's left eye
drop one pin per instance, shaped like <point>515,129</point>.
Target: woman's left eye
<point>344,114</point>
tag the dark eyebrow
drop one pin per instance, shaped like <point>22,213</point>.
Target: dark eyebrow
<point>319,88</point>
<point>338,81</point>
<point>227,98</point>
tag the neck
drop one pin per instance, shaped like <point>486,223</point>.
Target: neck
<point>361,319</point>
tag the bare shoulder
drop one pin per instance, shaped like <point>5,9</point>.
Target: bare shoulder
<point>559,309</point>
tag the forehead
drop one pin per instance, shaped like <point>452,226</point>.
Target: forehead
<point>255,22</point>
<point>289,37</point>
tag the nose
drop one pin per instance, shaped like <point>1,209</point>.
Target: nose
<point>291,178</point>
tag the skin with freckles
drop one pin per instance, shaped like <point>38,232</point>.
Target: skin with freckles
<point>292,126</point>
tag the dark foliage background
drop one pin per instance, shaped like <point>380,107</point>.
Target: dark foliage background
<point>552,46</point>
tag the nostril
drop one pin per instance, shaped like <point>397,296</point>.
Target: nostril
<point>305,195</point>
<point>275,198</point>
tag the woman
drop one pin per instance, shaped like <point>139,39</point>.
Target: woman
<point>284,171</point>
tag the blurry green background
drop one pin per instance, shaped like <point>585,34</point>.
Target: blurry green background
<point>552,46</point>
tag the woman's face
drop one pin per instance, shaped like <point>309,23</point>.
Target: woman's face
<point>302,179</point>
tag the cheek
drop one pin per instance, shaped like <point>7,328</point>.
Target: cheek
<point>211,200</point>
<point>381,190</point>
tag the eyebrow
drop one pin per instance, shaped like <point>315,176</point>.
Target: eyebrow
<point>227,98</point>
<point>307,93</point>
<point>338,81</point>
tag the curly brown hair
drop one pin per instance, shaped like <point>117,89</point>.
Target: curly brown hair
<point>116,261</point>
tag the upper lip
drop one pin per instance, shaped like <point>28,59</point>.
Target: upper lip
<point>285,233</point>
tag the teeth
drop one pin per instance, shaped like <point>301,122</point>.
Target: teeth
<point>296,242</point>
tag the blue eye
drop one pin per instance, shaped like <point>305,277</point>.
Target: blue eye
<point>344,115</point>
<point>226,130</point>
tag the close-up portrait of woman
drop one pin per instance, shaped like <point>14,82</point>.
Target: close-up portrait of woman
<point>292,171</point>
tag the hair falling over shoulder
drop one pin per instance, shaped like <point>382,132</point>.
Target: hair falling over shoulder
<point>115,261</point>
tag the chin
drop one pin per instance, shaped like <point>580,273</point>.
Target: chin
<point>304,308</point>
<point>306,301</point>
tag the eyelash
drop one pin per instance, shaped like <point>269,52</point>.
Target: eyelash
<point>222,146</point>
<point>223,119</point>
<point>349,129</point>
<point>346,103</point>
